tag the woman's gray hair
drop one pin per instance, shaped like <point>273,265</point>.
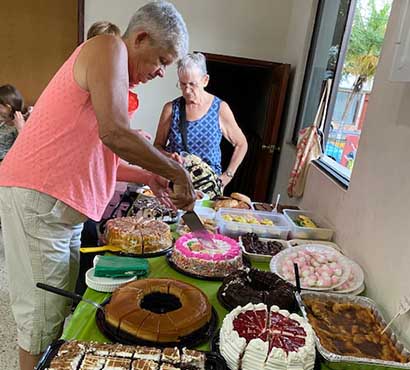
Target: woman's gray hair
<point>165,25</point>
<point>193,60</point>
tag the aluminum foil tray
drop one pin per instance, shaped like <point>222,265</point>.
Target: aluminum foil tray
<point>362,301</point>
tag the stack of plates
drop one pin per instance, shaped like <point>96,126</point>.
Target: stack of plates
<point>104,284</point>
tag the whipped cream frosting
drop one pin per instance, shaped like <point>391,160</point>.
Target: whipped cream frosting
<point>269,326</point>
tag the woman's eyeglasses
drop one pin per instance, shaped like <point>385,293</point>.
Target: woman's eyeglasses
<point>185,85</point>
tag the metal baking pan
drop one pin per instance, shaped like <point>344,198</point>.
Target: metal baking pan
<point>366,363</point>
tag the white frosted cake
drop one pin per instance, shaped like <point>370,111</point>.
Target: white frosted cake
<point>252,337</point>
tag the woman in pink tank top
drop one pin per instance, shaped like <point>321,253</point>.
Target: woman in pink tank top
<point>64,165</point>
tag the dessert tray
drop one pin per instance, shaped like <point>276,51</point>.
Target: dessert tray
<point>258,257</point>
<point>320,267</point>
<point>367,363</point>
<point>115,335</point>
<point>213,360</point>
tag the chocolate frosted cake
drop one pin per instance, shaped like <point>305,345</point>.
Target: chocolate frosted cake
<point>254,286</point>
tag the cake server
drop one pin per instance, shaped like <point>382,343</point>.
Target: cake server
<point>65,293</point>
<point>103,248</point>
<point>197,227</point>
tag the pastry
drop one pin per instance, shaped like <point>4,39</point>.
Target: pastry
<point>349,329</point>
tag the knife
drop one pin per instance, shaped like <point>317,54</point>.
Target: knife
<point>65,293</point>
<point>197,227</point>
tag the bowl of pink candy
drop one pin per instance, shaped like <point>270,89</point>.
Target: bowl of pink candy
<point>320,267</point>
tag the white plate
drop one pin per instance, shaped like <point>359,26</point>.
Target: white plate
<point>358,279</point>
<point>104,284</point>
<point>282,256</point>
<point>261,257</point>
<point>298,242</point>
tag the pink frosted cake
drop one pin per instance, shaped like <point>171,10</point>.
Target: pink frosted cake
<point>209,259</point>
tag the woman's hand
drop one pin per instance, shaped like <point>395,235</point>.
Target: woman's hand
<point>18,121</point>
<point>176,157</point>
<point>160,187</point>
<point>225,179</point>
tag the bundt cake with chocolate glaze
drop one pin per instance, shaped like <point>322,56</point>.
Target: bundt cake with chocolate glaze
<point>249,285</point>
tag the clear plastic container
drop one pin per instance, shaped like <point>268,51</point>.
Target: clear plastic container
<point>279,229</point>
<point>322,232</point>
<point>205,212</point>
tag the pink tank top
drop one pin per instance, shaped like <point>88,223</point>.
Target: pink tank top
<point>59,151</point>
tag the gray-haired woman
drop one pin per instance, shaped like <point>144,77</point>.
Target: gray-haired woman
<point>64,164</point>
<point>208,117</point>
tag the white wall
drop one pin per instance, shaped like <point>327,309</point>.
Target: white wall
<point>298,44</point>
<point>257,29</point>
<point>372,217</point>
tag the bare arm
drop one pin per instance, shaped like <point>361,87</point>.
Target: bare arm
<point>164,126</point>
<point>105,63</point>
<point>161,136</point>
<point>158,184</point>
<point>232,133</point>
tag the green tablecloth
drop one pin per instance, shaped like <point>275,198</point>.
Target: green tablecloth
<point>82,325</point>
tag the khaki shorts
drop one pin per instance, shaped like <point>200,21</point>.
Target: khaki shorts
<point>42,238</point>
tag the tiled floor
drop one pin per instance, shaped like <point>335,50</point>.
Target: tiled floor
<point>8,343</point>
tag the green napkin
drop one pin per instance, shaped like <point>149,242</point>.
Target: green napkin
<point>116,266</point>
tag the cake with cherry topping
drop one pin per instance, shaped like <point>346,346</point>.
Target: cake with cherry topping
<point>253,337</point>
<point>216,258</point>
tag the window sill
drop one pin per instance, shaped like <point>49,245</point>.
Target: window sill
<point>335,171</point>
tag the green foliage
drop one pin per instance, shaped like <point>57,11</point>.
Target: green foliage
<point>369,27</point>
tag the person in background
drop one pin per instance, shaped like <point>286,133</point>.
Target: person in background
<point>208,117</point>
<point>64,164</point>
<point>103,28</point>
<point>13,115</point>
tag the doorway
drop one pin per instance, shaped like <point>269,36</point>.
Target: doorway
<point>255,91</point>
<point>37,38</point>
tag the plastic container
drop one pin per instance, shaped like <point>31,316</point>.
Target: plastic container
<point>261,257</point>
<point>234,229</point>
<point>205,212</point>
<point>322,232</point>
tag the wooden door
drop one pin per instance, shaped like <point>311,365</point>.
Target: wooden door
<point>36,37</point>
<point>255,90</point>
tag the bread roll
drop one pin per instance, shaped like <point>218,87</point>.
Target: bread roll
<point>241,197</point>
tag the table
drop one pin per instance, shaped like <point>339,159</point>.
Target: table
<point>82,325</point>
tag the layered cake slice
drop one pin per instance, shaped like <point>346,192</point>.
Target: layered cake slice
<point>192,359</point>
<point>147,353</point>
<point>115,363</point>
<point>92,362</point>
<point>141,364</point>
<point>121,350</point>
<point>68,361</point>
<point>171,355</point>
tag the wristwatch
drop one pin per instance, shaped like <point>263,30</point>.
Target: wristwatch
<point>229,174</point>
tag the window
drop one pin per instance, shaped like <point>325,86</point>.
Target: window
<point>345,48</point>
